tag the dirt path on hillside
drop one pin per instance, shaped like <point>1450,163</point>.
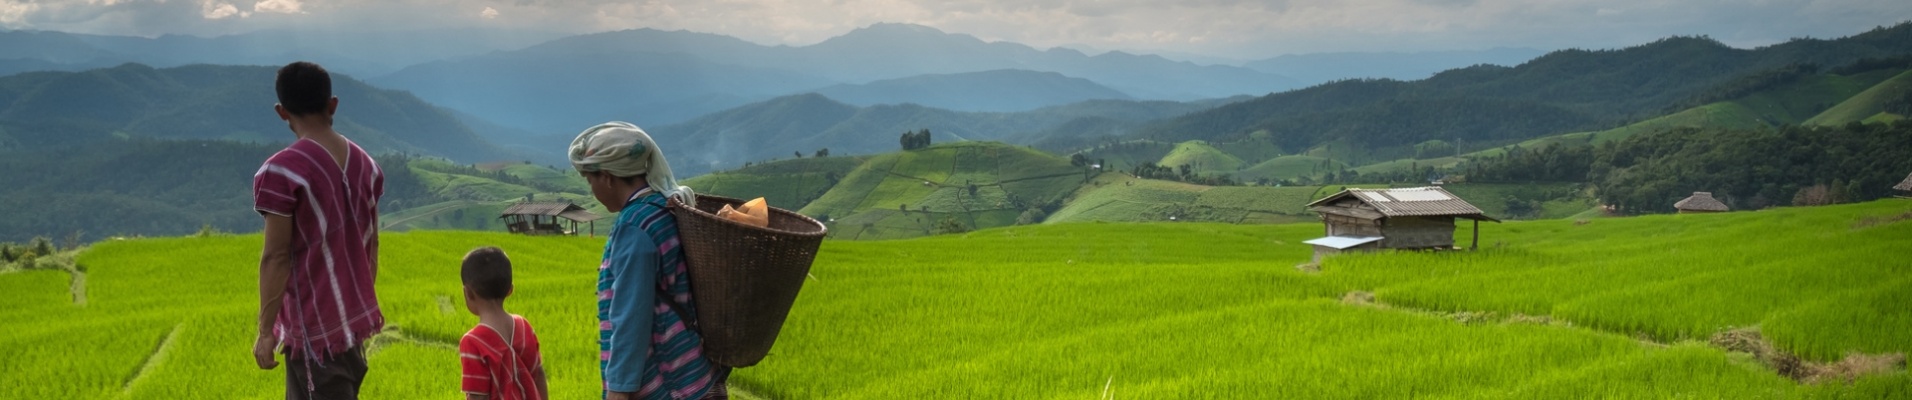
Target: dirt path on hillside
<point>78,287</point>
<point>1743,340</point>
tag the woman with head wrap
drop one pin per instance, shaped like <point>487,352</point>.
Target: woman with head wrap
<point>647,342</point>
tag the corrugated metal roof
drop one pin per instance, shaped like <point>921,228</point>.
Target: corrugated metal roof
<point>1402,202</point>
<point>1349,211</point>
<point>579,215</point>
<point>1342,242</point>
<point>1700,201</point>
<point>566,210</point>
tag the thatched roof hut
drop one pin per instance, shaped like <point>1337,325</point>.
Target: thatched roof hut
<point>1905,185</point>
<point>1700,202</point>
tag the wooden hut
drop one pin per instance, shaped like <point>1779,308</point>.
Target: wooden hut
<point>1400,218</point>
<point>547,218</point>
<point>1905,186</point>
<point>1700,203</point>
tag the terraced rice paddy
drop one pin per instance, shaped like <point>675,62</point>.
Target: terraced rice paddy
<point>1612,308</point>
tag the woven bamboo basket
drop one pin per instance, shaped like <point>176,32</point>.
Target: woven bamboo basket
<point>744,278</point>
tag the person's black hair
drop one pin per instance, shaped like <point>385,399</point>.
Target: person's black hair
<point>487,272</point>
<point>304,88</point>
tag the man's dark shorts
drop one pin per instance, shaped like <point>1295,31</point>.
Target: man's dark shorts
<point>338,378</point>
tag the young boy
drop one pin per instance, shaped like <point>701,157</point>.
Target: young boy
<point>500,355</point>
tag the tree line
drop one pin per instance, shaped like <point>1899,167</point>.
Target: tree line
<point>1746,169</point>
<point>915,140</point>
<point>151,187</point>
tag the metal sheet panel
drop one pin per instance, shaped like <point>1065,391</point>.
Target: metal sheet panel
<point>1419,195</point>
<point>1342,242</point>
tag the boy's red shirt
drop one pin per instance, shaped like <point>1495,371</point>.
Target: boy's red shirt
<point>498,369</point>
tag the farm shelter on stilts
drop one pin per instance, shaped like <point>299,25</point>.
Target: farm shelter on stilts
<point>1905,186</point>
<point>1399,218</point>
<point>547,218</point>
<point>1699,203</point>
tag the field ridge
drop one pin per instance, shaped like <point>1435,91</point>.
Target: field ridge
<point>155,358</point>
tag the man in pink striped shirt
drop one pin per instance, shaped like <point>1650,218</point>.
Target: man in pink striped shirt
<point>319,197</point>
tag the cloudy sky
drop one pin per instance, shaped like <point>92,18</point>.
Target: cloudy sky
<point>1241,29</point>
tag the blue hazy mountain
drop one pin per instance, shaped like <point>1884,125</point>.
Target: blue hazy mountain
<point>358,53</point>
<point>203,102</point>
<point>804,123</point>
<point>661,77</point>
<point>998,90</point>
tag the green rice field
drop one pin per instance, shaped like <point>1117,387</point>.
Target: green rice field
<point>1606,308</point>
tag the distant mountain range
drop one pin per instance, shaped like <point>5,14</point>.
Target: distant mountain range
<point>543,84</point>
<point>999,91</point>
<point>1327,67</point>
<point>807,122</point>
<point>1484,105</point>
<point>359,53</point>
<point>203,102</point>
<point>1351,121</point>
<point>655,77</point>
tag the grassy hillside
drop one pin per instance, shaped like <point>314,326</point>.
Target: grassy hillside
<point>1813,100</point>
<point>1201,157</point>
<point>1647,307</point>
<point>1538,200</point>
<point>1125,155</point>
<point>908,194</point>
<point>1867,104</point>
<point>807,122</point>
<point>1571,90</point>
<point>1289,167</point>
<point>474,195</point>
<point>1118,197</point>
<point>1801,101</point>
<point>1254,149</point>
<point>787,184</point>
<point>1408,166</point>
<point>1772,108</point>
<point>560,177</point>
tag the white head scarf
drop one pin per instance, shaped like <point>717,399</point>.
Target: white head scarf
<point>625,150</point>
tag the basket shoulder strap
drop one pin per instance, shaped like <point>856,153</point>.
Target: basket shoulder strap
<point>690,320</point>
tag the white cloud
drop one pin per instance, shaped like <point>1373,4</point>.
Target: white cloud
<point>217,10</point>
<point>15,12</point>
<point>279,6</point>
<point>488,13</point>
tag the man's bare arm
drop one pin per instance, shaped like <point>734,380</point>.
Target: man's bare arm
<point>275,270</point>
<point>544,389</point>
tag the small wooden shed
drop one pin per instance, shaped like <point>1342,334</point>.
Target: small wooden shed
<point>1398,218</point>
<point>547,218</point>
<point>1700,203</point>
<point>1905,186</point>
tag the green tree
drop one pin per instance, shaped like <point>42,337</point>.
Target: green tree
<point>950,224</point>
<point>42,246</point>
<point>1031,216</point>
